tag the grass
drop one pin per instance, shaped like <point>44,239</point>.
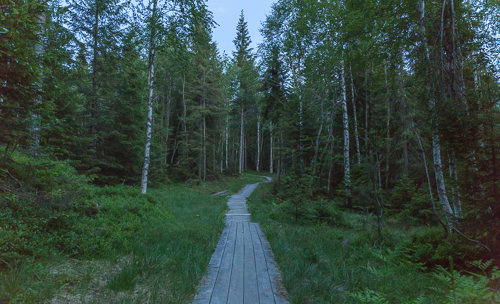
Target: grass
<point>325,264</point>
<point>153,252</point>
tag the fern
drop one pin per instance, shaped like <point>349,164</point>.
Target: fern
<point>470,288</point>
<point>369,296</point>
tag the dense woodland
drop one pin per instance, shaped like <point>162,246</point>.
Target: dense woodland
<point>385,107</point>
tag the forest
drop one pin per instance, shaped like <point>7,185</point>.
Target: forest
<point>377,121</point>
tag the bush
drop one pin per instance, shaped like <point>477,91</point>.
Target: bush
<point>47,208</point>
<point>326,212</point>
<point>426,245</point>
<point>40,202</point>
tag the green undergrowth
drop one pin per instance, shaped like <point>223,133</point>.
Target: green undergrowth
<point>64,241</point>
<point>335,256</point>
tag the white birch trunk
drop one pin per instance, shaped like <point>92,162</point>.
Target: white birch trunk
<point>440,184</point>
<point>39,50</point>
<point>347,166</point>
<point>429,183</point>
<point>356,133</point>
<point>436,147</point>
<point>149,121</point>
<point>457,204</point>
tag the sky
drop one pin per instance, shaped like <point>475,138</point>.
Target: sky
<point>227,13</point>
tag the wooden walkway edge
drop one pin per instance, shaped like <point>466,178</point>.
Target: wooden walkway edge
<point>242,269</point>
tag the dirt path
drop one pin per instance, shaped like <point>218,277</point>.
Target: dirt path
<point>242,269</point>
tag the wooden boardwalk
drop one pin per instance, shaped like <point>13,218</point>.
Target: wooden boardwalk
<point>242,269</point>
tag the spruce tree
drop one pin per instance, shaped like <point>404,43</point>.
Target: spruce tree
<point>244,84</point>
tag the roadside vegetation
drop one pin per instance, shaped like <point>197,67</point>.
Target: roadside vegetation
<point>63,240</point>
<point>329,254</point>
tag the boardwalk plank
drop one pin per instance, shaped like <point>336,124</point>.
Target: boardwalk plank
<point>221,288</point>
<point>251,290</point>
<point>274,274</point>
<point>237,282</point>
<point>264,282</point>
<point>206,289</point>
<point>242,269</point>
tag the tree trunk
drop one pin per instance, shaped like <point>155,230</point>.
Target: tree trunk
<point>169,103</point>
<point>242,143</point>
<point>214,160</point>
<point>440,184</point>
<point>204,143</point>
<point>388,127</point>
<point>356,133</point>
<point>457,205</point>
<point>176,144</point>
<point>149,122</point>
<point>436,147</point>
<point>404,114</point>
<point>347,162</point>
<point>93,111</point>
<point>316,151</point>
<point>184,114</point>
<point>204,128</point>
<point>221,147</point>
<point>378,197</point>
<point>258,143</point>
<point>434,209</point>
<point>39,50</point>
<point>367,105</point>
<point>227,141</point>
<point>271,155</point>
<point>278,173</point>
<point>331,141</point>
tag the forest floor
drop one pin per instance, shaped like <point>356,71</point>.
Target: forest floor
<point>321,263</point>
<point>165,260</point>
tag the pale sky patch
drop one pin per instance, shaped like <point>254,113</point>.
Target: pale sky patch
<point>227,13</point>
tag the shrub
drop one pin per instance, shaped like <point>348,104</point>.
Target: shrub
<point>47,208</point>
<point>40,202</point>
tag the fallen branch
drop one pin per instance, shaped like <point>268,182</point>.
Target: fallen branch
<point>11,191</point>
<point>14,177</point>
<point>471,240</point>
<point>225,192</point>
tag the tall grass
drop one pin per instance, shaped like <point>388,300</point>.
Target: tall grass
<point>154,249</point>
<point>343,264</point>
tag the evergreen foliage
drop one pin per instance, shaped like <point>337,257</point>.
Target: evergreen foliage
<point>385,108</point>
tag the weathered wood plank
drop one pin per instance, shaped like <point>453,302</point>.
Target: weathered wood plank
<point>221,288</point>
<point>242,269</point>
<point>236,286</point>
<point>208,282</point>
<point>276,283</point>
<point>251,290</point>
<point>266,294</point>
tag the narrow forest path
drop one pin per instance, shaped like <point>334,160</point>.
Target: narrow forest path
<point>242,269</point>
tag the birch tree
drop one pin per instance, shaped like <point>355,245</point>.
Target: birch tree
<point>153,24</point>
